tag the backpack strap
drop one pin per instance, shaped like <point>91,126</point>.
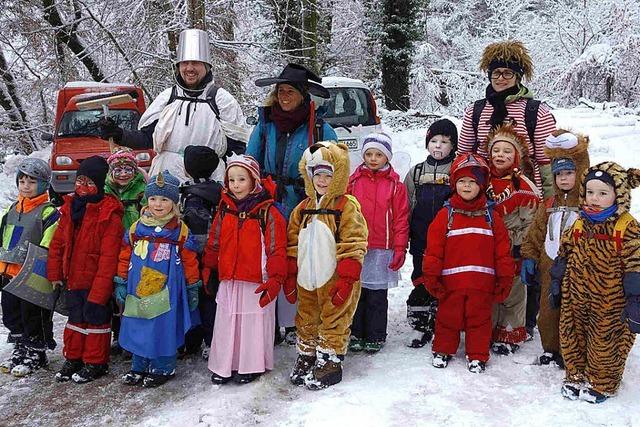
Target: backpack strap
<point>617,236</point>
<point>318,131</point>
<point>261,215</point>
<point>531,118</point>
<point>487,213</point>
<point>336,212</point>
<point>478,106</point>
<point>417,173</point>
<point>182,237</point>
<point>209,99</point>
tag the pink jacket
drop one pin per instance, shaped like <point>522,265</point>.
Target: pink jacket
<point>385,206</point>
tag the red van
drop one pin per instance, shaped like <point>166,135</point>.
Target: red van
<point>76,133</point>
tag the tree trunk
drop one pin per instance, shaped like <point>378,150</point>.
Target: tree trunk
<point>310,34</point>
<point>195,10</point>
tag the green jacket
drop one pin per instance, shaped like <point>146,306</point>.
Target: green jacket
<point>131,197</point>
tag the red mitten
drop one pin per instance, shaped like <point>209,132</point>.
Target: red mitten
<point>205,274</point>
<point>434,286</point>
<point>348,270</point>
<point>291,283</point>
<point>503,288</point>
<point>418,281</point>
<point>398,260</point>
<point>270,290</point>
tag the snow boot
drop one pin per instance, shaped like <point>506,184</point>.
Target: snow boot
<point>90,372</point>
<point>17,355</point>
<point>33,360</point>
<point>290,336</point>
<point>156,380</point>
<point>504,348</point>
<point>373,346</point>
<point>205,352</point>
<point>590,395</point>
<point>246,378</point>
<point>419,339</point>
<point>304,364</point>
<point>69,368</point>
<point>219,380</point>
<point>476,366</point>
<point>356,344</point>
<point>326,372</point>
<point>133,377</point>
<point>440,360</point>
<point>571,390</point>
<point>278,338</point>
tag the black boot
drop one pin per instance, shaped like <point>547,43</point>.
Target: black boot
<point>326,372</point>
<point>69,368</point>
<point>90,372</point>
<point>17,355</point>
<point>302,368</point>
<point>156,380</point>
<point>218,379</point>
<point>246,378</point>
<point>33,360</point>
<point>133,377</point>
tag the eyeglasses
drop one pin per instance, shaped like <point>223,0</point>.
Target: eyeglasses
<point>506,74</point>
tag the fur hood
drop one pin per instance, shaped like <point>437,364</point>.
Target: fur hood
<point>579,155</point>
<point>508,51</point>
<point>330,153</point>
<point>625,181</point>
<point>508,133</point>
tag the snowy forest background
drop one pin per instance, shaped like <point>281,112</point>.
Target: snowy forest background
<point>420,55</point>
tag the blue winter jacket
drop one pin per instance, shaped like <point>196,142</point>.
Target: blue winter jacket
<point>291,191</point>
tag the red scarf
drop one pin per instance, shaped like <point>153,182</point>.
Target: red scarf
<point>288,121</point>
<point>457,202</point>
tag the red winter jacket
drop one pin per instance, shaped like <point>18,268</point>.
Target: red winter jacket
<point>87,256</point>
<point>468,253</point>
<point>235,247</point>
<point>385,206</point>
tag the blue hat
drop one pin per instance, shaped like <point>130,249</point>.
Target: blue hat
<point>562,164</point>
<point>164,184</point>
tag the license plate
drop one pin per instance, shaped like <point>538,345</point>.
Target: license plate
<point>352,144</point>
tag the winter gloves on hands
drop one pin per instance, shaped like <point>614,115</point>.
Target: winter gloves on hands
<point>109,129</point>
<point>348,270</point>
<point>398,260</point>
<point>435,286</point>
<point>529,273</point>
<point>269,290</point>
<point>120,290</point>
<point>291,283</point>
<point>502,289</point>
<point>193,294</point>
<point>557,273</point>
<point>210,281</point>
<point>631,313</point>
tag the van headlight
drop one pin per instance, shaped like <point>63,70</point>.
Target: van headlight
<point>143,157</point>
<point>63,161</point>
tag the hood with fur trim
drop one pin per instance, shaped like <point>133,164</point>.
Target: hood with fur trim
<point>579,155</point>
<point>508,133</point>
<point>625,181</point>
<point>326,152</point>
<point>508,52</point>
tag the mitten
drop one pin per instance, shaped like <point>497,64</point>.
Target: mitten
<point>398,260</point>
<point>529,272</point>
<point>348,270</point>
<point>435,287</point>
<point>269,290</point>
<point>193,294</point>
<point>291,283</point>
<point>503,289</point>
<point>109,129</point>
<point>211,281</point>
<point>631,313</point>
<point>96,314</point>
<point>120,289</point>
<point>555,288</point>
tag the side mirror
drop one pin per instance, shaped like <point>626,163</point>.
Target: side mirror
<point>45,136</point>
<point>252,120</point>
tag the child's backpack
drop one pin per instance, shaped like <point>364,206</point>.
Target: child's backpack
<point>340,202</point>
<point>487,213</point>
<point>577,231</point>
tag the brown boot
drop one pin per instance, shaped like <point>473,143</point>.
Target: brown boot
<point>326,372</point>
<point>302,368</point>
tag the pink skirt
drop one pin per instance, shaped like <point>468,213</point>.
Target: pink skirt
<point>243,332</point>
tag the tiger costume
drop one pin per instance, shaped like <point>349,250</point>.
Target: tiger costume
<point>542,241</point>
<point>594,341</point>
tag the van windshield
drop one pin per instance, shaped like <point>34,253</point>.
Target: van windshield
<point>349,106</point>
<point>85,123</point>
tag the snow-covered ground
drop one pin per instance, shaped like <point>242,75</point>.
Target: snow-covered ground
<point>397,387</point>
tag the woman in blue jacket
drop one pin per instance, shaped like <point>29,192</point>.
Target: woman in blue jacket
<point>287,125</point>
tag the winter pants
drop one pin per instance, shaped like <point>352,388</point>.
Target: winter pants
<point>321,325</point>
<point>27,322</point>
<point>509,316</point>
<point>87,335</point>
<point>468,311</point>
<point>533,307</point>
<point>163,365</point>
<point>204,331</point>
<point>548,320</point>
<point>370,319</point>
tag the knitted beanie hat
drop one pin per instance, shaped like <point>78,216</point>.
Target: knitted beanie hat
<point>122,157</point>
<point>200,161</point>
<point>444,127</point>
<point>165,185</point>
<point>378,140</point>
<point>247,162</point>
<point>96,169</point>
<point>562,164</point>
<point>326,168</point>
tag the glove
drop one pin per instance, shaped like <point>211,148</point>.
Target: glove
<point>109,129</point>
<point>435,287</point>
<point>348,270</point>
<point>291,283</point>
<point>211,281</point>
<point>398,260</point>
<point>631,313</point>
<point>57,284</point>
<point>96,314</point>
<point>269,290</point>
<point>503,289</point>
<point>193,295</point>
<point>528,273</point>
<point>120,289</point>
<point>555,288</point>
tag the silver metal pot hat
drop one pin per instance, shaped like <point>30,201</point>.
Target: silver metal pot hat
<point>194,46</point>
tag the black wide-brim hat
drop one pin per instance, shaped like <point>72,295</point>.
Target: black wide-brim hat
<point>299,75</point>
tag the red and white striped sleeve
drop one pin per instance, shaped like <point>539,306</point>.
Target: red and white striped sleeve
<point>467,138</point>
<point>545,126</point>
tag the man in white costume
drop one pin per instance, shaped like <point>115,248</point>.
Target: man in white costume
<point>195,111</point>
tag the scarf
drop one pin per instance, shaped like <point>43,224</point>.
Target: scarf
<point>250,202</point>
<point>499,101</point>
<point>149,220</point>
<point>288,121</point>
<point>79,206</point>
<point>479,203</point>
<point>597,216</point>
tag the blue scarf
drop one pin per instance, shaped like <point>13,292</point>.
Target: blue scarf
<point>599,217</point>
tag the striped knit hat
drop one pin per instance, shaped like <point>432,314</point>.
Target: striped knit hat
<point>247,162</point>
<point>378,140</point>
